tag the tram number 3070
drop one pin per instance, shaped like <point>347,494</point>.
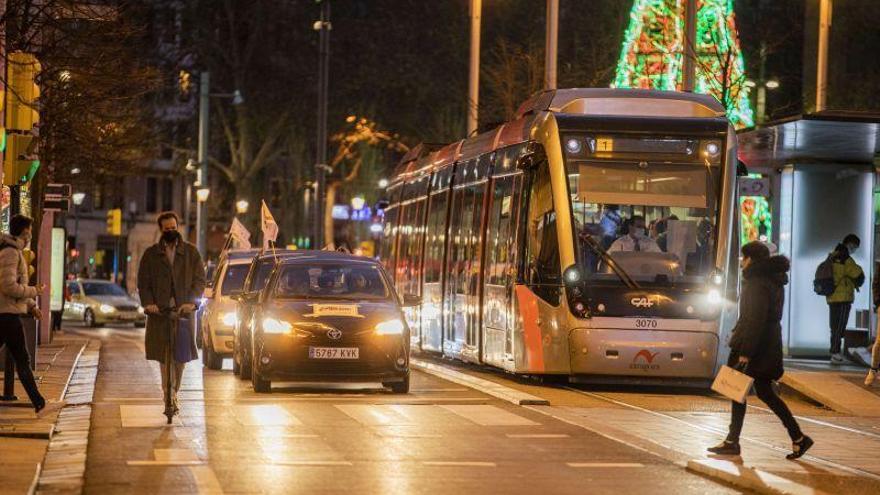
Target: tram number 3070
<point>646,323</point>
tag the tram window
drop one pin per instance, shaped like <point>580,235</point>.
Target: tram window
<point>657,222</point>
<point>436,237</point>
<point>543,273</point>
<point>501,238</point>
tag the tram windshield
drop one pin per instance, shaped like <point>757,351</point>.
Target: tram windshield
<point>655,218</point>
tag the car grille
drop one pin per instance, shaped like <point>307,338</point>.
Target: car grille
<point>126,308</point>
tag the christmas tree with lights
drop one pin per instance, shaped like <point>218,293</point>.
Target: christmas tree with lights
<point>654,50</point>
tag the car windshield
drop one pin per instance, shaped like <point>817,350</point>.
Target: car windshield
<point>233,279</point>
<point>103,289</point>
<point>656,219</point>
<point>264,271</point>
<point>332,281</point>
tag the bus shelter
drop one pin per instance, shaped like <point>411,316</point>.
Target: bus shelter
<point>811,181</point>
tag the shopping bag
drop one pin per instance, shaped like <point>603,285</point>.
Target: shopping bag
<point>184,341</point>
<point>733,384</point>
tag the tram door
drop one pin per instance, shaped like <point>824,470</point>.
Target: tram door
<point>501,259</point>
<point>462,297</point>
<point>408,268</point>
<point>435,248</point>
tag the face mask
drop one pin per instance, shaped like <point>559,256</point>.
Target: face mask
<point>27,239</point>
<point>170,236</point>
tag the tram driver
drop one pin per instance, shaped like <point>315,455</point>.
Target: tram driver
<point>636,238</point>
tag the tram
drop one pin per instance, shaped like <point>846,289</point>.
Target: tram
<point>589,238</point>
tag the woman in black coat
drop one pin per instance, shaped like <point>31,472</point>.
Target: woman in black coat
<point>756,343</point>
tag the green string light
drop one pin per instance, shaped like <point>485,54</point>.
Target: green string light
<point>653,49</point>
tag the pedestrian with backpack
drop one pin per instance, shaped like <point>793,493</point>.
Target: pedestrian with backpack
<point>17,299</point>
<point>847,278</point>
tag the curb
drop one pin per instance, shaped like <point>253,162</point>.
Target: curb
<point>749,478</point>
<point>64,465</point>
<point>487,387</point>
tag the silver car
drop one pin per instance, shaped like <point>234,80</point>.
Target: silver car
<point>98,302</point>
<point>218,317</point>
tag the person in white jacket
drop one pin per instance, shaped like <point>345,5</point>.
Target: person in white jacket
<point>17,298</point>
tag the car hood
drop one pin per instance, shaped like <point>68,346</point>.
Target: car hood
<point>114,300</point>
<point>346,316</point>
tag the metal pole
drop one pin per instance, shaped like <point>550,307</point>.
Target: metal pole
<point>202,207</point>
<point>690,42</point>
<point>474,78</point>
<point>323,80</point>
<point>187,207</point>
<point>825,8</point>
<point>76,237</point>
<point>552,43</point>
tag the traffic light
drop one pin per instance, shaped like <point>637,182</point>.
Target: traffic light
<point>114,221</point>
<point>22,91</point>
<point>17,168</point>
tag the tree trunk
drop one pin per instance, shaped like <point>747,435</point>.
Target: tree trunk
<point>330,200</point>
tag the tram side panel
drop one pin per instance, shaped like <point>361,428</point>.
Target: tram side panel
<point>540,343</point>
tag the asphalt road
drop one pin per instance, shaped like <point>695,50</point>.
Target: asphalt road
<point>441,438</point>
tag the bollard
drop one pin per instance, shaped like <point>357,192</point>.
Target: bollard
<point>8,378</point>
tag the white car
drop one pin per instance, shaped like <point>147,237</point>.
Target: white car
<point>218,315</point>
<point>98,302</point>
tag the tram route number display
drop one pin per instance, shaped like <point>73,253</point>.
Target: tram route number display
<point>646,323</point>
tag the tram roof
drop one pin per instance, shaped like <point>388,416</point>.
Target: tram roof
<point>582,101</point>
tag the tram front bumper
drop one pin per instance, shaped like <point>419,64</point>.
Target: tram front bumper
<point>643,353</point>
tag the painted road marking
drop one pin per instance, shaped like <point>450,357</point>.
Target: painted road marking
<point>485,415</point>
<point>165,463</point>
<point>265,415</point>
<point>374,415</point>
<point>310,463</point>
<point>604,464</point>
<point>537,435</point>
<point>459,464</point>
<point>152,416</point>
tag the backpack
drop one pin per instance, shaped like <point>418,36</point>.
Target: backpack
<point>823,282</point>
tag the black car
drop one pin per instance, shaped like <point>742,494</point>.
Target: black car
<point>328,316</point>
<point>258,275</point>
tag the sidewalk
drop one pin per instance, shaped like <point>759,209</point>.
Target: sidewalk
<point>24,438</point>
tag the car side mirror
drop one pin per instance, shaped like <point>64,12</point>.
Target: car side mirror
<point>411,300</point>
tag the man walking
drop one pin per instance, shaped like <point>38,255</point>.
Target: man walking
<point>17,299</point>
<point>848,277</point>
<point>171,277</point>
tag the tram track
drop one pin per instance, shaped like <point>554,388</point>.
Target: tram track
<point>710,429</point>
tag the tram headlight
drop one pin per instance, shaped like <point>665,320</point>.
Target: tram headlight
<point>714,296</point>
<point>716,278</point>
<point>573,145</point>
<point>712,150</point>
<point>572,275</point>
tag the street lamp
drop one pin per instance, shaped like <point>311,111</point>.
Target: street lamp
<point>241,206</point>
<point>357,203</point>
<point>383,183</point>
<point>202,194</point>
<point>204,112</point>
<point>78,198</point>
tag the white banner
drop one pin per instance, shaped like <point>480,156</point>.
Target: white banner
<point>240,234</point>
<point>268,225</point>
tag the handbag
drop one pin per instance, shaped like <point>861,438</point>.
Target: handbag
<point>733,384</point>
<point>184,341</point>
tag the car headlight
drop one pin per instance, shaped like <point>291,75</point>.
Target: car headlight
<point>272,325</point>
<point>714,296</point>
<point>141,309</point>
<point>230,319</point>
<point>390,327</point>
<point>106,308</point>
